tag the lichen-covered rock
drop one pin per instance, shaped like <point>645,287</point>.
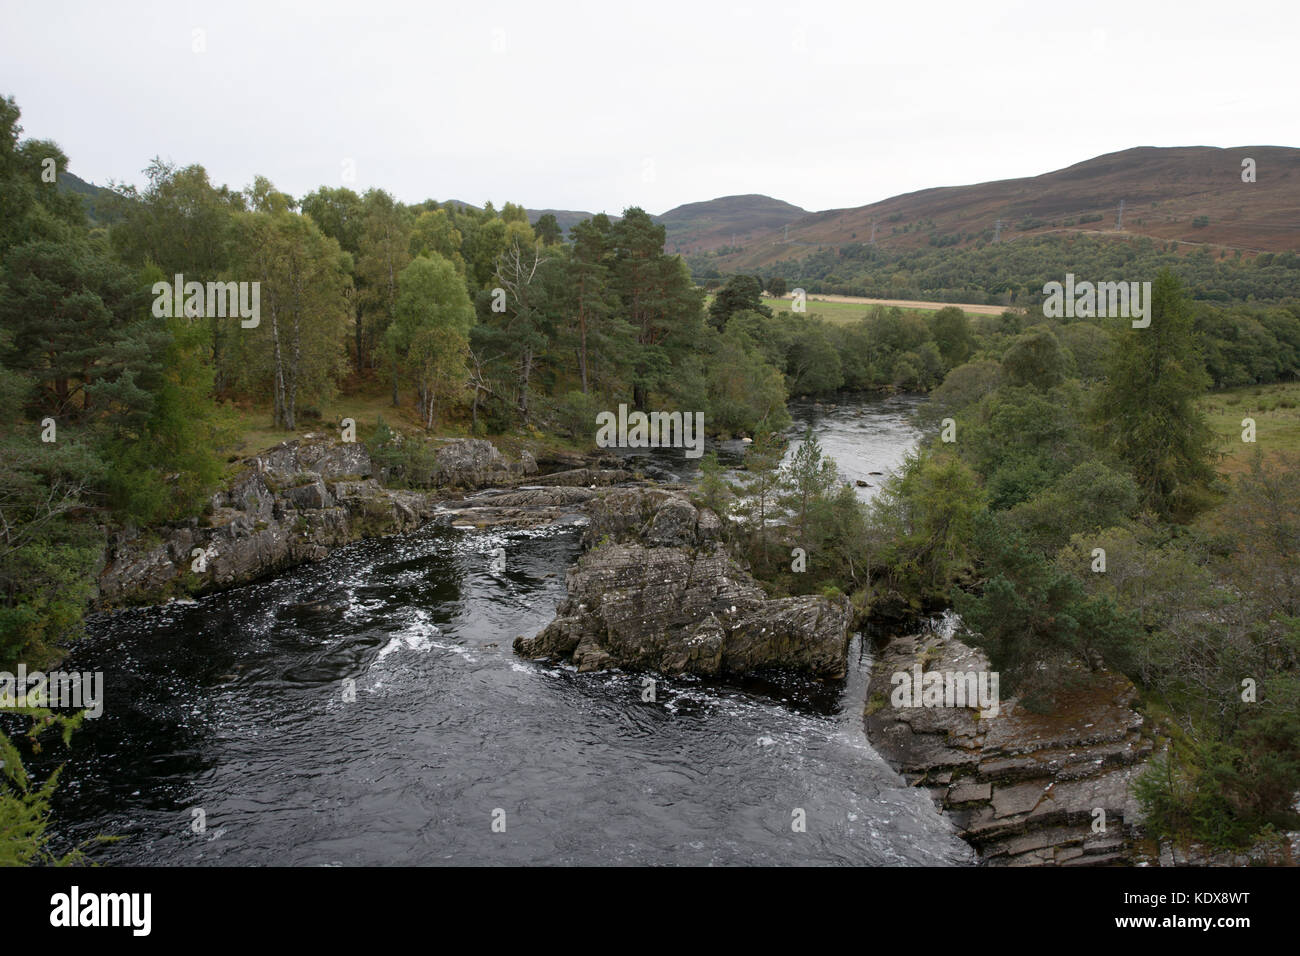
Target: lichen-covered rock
<point>474,463</point>
<point>660,592</point>
<point>292,504</point>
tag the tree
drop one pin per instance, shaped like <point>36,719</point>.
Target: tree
<point>428,342</point>
<point>1146,411</point>
<point>741,294</point>
<point>298,342</point>
<point>594,302</point>
<point>923,519</point>
<point>1035,359</point>
<point>806,482</point>
<point>745,392</point>
<point>340,214</point>
<point>434,232</point>
<point>548,230</point>
<point>31,206</point>
<point>75,318</point>
<point>758,488</point>
<point>951,330</point>
<point>182,224</point>
<point>385,250</point>
<point>813,362</point>
<point>1033,617</point>
<point>659,300</point>
<point>532,296</point>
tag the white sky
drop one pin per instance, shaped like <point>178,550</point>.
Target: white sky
<point>600,105</point>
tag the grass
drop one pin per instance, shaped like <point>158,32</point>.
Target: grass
<point>252,424</point>
<point>838,313</point>
<point>253,420</point>
<point>1276,411</point>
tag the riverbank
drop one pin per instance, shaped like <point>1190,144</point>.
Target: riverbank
<point>298,501</point>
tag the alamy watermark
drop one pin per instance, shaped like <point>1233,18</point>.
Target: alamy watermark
<point>1087,300</point>
<point>946,689</point>
<point>57,689</point>
<point>216,300</point>
<point>653,430</point>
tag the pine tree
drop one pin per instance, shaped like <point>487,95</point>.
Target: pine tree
<point>1146,410</point>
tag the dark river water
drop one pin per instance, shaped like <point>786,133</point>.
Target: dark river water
<point>235,711</point>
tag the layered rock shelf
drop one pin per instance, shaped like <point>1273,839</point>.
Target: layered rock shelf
<point>1024,789</point>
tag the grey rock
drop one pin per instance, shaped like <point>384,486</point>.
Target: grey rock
<point>661,592</point>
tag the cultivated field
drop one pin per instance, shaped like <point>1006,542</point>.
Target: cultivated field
<point>842,309</point>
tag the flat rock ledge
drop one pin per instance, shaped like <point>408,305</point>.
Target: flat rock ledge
<point>658,590</point>
<point>1022,788</point>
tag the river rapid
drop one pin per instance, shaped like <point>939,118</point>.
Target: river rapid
<point>369,709</point>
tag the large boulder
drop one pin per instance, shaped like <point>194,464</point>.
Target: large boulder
<point>474,463</point>
<point>659,591</point>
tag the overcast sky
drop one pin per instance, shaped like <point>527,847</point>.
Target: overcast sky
<point>606,104</point>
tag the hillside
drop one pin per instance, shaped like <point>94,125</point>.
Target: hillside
<point>90,194</point>
<point>1191,194</point>
<point>727,221</point>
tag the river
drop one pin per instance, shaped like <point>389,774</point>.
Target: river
<point>230,735</point>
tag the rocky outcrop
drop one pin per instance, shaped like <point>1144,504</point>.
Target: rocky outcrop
<point>291,504</point>
<point>659,591</point>
<point>476,463</point>
<point>1024,789</point>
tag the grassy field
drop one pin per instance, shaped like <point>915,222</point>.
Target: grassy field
<point>838,313</point>
<point>1276,411</point>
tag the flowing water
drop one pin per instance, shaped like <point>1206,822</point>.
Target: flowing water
<point>229,734</point>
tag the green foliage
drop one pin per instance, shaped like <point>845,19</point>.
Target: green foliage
<point>1032,617</point>
<point>1034,360</point>
<point>952,335</point>
<point>402,461</point>
<point>740,294</point>
<point>1022,439</point>
<point>428,340</point>
<point>575,414</point>
<point>1013,273</point>
<point>24,803</point>
<point>712,490</point>
<point>746,394</point>
<point>922,521</point>
<point>1145,410</point>
<point>1089,497</point>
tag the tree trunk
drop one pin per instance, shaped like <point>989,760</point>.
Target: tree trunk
<point>525,376</point>
<point>360,361</point>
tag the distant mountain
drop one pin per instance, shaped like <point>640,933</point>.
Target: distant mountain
<point>565,217</point>
<point>727,221</point>
<point>90,194</point>
<point>1192,194</point>
<point>712,224</point>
